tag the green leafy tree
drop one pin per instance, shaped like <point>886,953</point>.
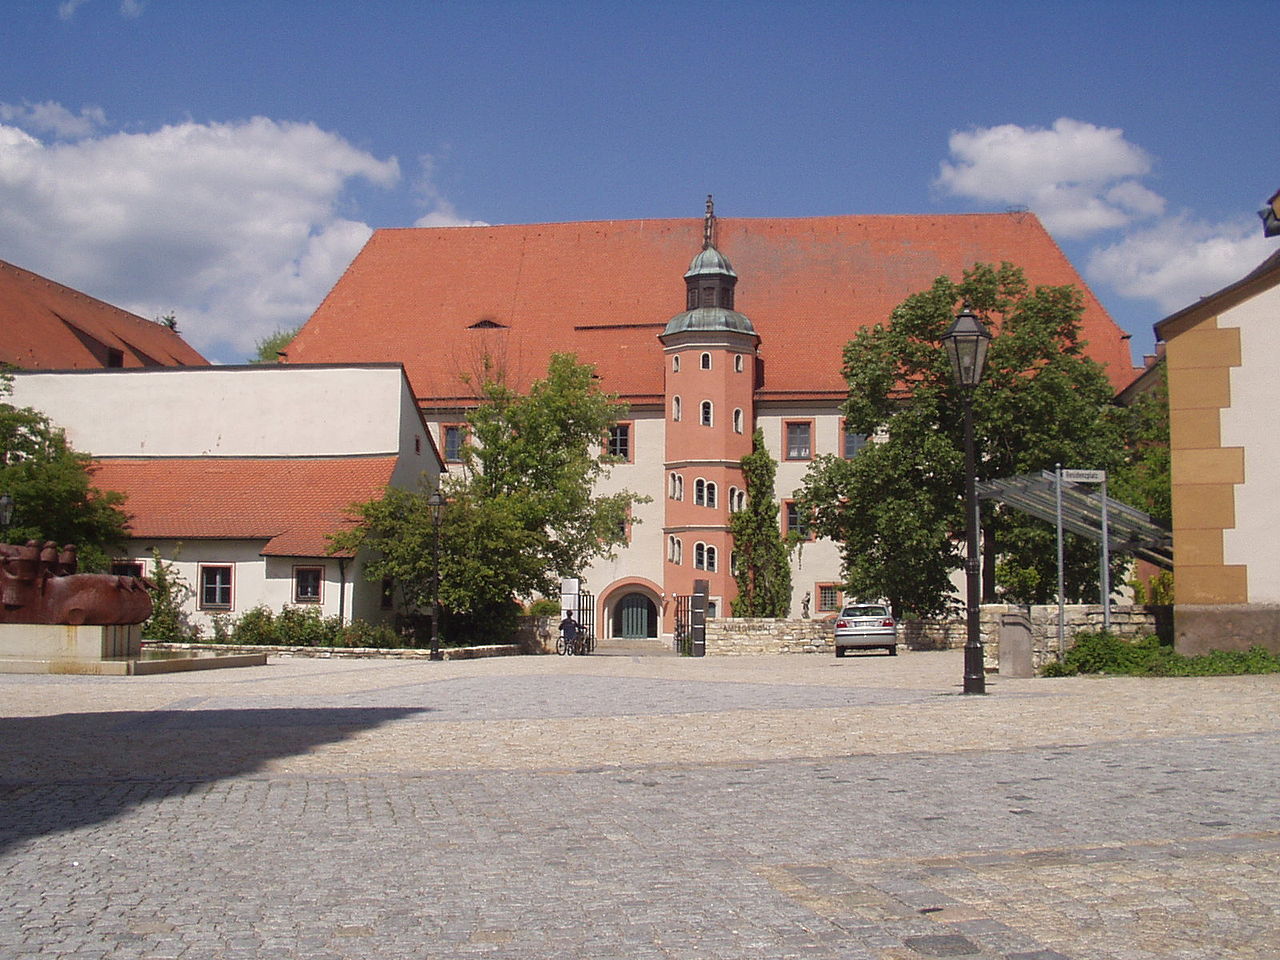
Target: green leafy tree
<point>267,349</point>
<point>897,508</point>
<point>50,485</point>
<point>521,514</point>
<point>763,573</point>
<point>1142,478</point>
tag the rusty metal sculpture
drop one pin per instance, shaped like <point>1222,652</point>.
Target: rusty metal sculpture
<point>39,584</point>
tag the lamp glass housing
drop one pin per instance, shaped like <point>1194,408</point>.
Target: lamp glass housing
<point>966,342</point>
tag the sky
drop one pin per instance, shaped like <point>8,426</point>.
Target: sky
<point>224,160</point>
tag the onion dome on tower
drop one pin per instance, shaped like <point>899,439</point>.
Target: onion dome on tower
<point>709,286</point>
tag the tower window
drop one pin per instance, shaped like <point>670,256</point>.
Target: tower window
<point>737,420</point>
<point>675,408</point>
<point>706,413</point>
<point>675,363</point>
<point>706,361</point>
<point>737,363</point>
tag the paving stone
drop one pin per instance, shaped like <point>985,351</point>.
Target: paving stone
<point>759,807</point>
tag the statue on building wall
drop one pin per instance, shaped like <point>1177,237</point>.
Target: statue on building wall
<point>804,606</point>
<point>39,584</point>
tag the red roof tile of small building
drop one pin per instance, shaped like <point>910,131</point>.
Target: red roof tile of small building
<point>46,326</point>
<point>438,299</point>
<point>292,503</point>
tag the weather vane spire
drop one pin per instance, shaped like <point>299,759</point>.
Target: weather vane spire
<point>709,225</point>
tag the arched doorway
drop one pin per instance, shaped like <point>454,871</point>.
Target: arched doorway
<point>635,615</point>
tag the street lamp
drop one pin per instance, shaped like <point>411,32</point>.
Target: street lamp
<point>436,503</point>
<point>6,511</point>
<point>966,342</point>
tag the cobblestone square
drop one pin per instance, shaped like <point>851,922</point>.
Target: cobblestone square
<point>636,807</point>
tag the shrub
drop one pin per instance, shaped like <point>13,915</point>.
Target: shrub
<point>168,621</point>
<point>544,607</point>
<point>1150,657</point>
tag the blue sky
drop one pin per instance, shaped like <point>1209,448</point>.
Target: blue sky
<point>225,160</point>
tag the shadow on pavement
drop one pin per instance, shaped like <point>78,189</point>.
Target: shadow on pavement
<point>73,770</point>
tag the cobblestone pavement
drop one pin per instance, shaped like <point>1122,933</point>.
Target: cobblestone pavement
<point>617,807</point>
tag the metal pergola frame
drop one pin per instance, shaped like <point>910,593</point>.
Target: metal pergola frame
<point>1129,531</point>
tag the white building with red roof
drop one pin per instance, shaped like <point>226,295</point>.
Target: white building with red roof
<point>239,475</point>
<point>752,343</point>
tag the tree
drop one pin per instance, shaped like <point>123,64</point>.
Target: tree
<point>897,507</point>
<point>1142,478</point>
<point>763,572</point>
<point>53,498</point>
<point>521,515</point>
<point>268,349</point>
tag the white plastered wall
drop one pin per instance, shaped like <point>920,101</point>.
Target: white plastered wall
<point>268,411</point>
<point>1250,423</point>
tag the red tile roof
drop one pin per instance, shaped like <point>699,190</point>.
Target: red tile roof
<point>292,503</point>
<point>46,326</point>
<point>437,299</point>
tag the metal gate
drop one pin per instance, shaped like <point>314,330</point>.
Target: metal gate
<point>684,635</point>
<point>586,617</point>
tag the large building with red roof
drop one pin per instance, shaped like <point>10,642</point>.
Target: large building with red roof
<point>46,326</point>
<point>747,335</point>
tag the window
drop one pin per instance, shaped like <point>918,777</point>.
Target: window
<point>796,523</point>
<point>675,408</point>
<point>115,358</point>
<point>699,492</point>
<point>737,420</point>
<point>692,299</point>
<point>453,436</point>
<point>704,557</point>
<point>828,598</point>
<point>852,443</point>
<point>711,494</point>
<point>737,363</point>
<point>675,550</point>
<point>713,608</point>
<point>705,418</point>
<point>711,559</point>
<point>733,499</point>
<point>677,487</point>
<point>798,440</point>
<point>675,363</point>
<point>215,587</point>
<point>307,583</point>
<point>126,568</point>
<point>737,500</point>
<point>705,361</point>
<point>620,441</point>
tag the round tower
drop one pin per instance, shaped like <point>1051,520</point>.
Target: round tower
<point>710,356</point>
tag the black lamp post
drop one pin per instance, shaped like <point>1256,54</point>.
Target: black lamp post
<point>436,503</point>
<point>6,511</point>
<point>966,342</point>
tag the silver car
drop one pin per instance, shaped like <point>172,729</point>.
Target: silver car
<point>866,626</point>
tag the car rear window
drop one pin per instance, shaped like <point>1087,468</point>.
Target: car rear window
<point>864,611</point>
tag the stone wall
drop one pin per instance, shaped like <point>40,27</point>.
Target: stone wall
<point>736,636</point>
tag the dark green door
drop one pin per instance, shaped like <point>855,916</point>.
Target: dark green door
<point>636,616</point>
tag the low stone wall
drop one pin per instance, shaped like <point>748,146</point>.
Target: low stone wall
<point>536,634</point>
<point>338,653</point>
<point>1202,628</point>
<point>736,636</point>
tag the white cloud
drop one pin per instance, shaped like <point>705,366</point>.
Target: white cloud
<point>233,226</point>
<point>54,118</point>
<point>440,212</point>
<point>1179,260</point>
<point>131,9</point>
<point>1077,177</point>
